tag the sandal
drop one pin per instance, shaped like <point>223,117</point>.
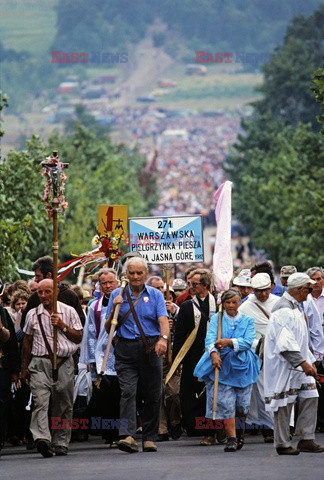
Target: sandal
<point>240,442</point>
<point>231,445</point>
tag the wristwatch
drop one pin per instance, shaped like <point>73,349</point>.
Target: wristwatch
<point>64,330</point>
<point>165,337</point>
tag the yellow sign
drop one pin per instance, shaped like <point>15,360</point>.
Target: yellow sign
<point>112,218</point>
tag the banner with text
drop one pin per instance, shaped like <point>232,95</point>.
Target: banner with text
<point>167,239</point>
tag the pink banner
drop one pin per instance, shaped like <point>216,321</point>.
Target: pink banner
<point>223,261</point>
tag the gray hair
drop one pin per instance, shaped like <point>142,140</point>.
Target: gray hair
<point>136,261</point>
<point>104,271</point>
<point>152,278</point>
<point>311,271</point>
<point>232,292</point>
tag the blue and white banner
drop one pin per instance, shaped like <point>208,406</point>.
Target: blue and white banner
<point>176,239</point>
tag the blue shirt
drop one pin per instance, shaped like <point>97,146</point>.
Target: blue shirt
<point>150,307</point>
<point>240,366</point>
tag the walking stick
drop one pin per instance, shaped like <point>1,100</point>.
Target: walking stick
<point>114,323</point>
<point>54,198</point>
<point>219,334</point>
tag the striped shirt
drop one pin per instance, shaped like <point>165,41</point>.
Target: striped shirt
<point>65,347</point>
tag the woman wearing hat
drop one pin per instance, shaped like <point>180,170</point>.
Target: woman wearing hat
<point>238,364</point>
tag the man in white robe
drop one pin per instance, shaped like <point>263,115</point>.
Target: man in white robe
<point>259,306</point>
<point>289,373</point>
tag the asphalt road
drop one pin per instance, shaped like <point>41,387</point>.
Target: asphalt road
<point>183,459</point>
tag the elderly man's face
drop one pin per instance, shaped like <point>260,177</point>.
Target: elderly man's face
<point>318,286</point>
<point>158,284</point>
<point>304,291</point>
<point>262,294</point>
<point>108,283</point>
<point>137,275</point>
<point>45,293</point>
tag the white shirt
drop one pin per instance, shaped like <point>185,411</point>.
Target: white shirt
<point>287,332</point>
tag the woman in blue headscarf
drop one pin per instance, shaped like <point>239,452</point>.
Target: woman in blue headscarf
<point>238,368</point>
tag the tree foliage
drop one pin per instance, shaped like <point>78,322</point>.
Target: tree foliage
<point>288,76</point>
<point>278,176</point>
<point>235,25</point>
<point>277,165</point>
<point>318,90</point>
<point>23,222</point>
<point>98,173</point>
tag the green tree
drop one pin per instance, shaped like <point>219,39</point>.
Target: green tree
<point>318,90</point>
<point>288,76</point>
<point>23,222</point>
<point>98,173</point>
<point>278,183</point>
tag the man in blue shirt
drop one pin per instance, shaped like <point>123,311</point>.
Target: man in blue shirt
<point>142,337</point>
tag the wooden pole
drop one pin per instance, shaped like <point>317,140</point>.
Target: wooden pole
<point>55,283</point>
<point>54,169</point>
<point>219,335</point>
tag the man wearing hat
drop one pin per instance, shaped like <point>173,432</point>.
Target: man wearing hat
<point>289,371</point>
<point>259,306</point>
<point>314,309</point>
<point>243,283</point>
<point>285,272</point>
<point>179,286</point>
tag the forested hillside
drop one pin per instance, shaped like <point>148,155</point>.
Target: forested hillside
<point>213,24</point>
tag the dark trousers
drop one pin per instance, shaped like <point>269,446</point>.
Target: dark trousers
<point>5,384</point>
<point>320,410</point>
<point>133,367</point>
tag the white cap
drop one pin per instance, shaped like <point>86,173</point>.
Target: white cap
<point>243,279</point>
<point>299,279</point>
<point>261,281</point>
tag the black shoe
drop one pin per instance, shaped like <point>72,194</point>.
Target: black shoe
<point>176,432</point>
<point>287,451</point>
<point>44,448</point>
<point>60,451</point>
<point>240,439</point>
<point>162,437</point>
<point>231,445</point>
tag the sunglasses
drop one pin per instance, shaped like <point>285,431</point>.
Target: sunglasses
<point>193,284</point>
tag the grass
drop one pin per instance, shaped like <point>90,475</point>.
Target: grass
<point>28,25</point>
<point>219,89</point>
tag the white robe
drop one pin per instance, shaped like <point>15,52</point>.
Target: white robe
<point>260,320</point>
<point>287,332</point>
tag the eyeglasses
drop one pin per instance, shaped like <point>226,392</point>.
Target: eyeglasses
<point>261,290</point>
<point>310,289</point>
<point>193,284</point>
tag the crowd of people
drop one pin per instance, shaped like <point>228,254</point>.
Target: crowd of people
<point>143,359</point>
<point>184,166</point>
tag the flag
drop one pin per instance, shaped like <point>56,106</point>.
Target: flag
<point>222,261</point>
